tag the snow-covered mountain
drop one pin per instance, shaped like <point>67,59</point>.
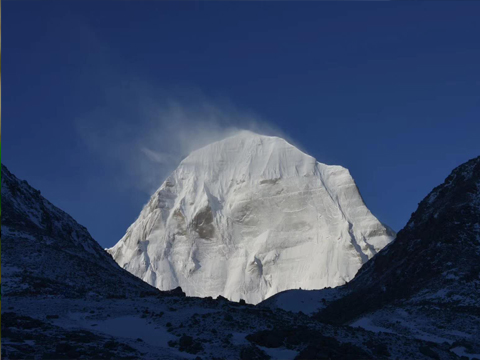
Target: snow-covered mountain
<point>250,216</point>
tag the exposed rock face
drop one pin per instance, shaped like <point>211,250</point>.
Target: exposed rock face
<point>435,259</point>
<point>247,217</point>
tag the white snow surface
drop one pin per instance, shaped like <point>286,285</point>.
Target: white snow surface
<point>248,217</point>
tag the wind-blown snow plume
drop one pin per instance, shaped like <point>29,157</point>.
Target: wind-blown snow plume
<point>145,139</point>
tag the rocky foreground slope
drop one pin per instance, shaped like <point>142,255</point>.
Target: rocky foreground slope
<point>62,298</point>
<point>247,217</point>
<point>39,240</point>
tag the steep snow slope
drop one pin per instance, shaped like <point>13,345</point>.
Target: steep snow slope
<point>247,217</point>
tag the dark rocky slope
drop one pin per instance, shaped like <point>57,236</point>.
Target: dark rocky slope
<point>435,259</point>
<point>45,251</point>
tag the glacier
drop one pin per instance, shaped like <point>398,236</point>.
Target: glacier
<point>250,216</point>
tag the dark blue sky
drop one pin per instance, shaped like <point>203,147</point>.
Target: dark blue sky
<point>389,90</point>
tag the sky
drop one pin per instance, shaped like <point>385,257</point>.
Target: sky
<point>103,99</point>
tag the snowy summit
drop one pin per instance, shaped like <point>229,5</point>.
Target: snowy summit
<point>248,217</point>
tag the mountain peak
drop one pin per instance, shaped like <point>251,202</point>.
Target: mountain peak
<point>245,216</point>
<point>242,140</point>
<point>247,156</point>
